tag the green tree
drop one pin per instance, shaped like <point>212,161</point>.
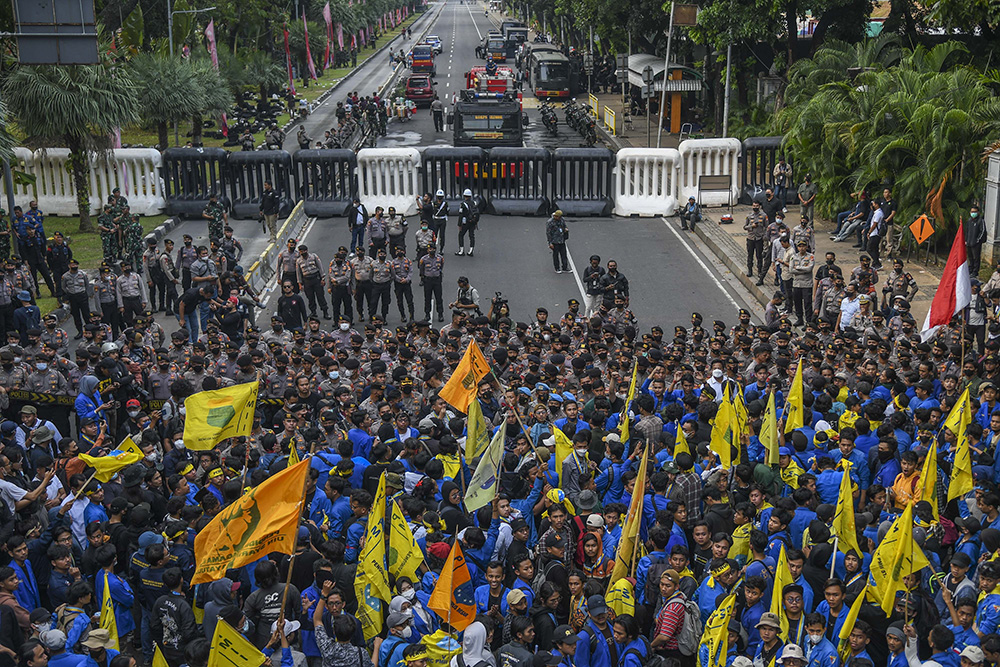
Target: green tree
<point>77,106</point>
<point>170,92</point>
<point>213,96</point>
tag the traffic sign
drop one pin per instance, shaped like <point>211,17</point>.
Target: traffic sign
<point>647,74</point>
<point>647,91</point>
<point>922,229</point>
<point>588,63</point>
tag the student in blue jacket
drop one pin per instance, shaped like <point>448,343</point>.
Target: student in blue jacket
<point>594,648</point>
<point>632,647</point>
<point>821,651</point>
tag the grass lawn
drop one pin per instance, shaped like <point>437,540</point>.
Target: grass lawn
<point>86,246</point>
<point>331,77</point>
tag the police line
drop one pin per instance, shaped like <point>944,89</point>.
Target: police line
<point>505,181</point>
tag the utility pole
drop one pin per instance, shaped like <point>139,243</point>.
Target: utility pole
<point>666,74</point>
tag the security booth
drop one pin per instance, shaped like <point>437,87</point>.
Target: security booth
<point>685,89</point>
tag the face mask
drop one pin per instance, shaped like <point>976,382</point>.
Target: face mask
<point>974,214</point>
<point>179,444</point>
<point>153,457</point>
<point>815,639</point>
<point>409,593</point>
<point>407,632</point>
<point>344,326</point>
<point>182,411</point>
<point>133,413</point>
<point>334,375</point>
<point>884,456</point>
<point>41,367</point>
<point>17,360</point>
<point>546,337</point>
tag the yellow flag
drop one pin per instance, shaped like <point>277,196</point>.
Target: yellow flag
<point>782,578</point>
<point>716,633</point>
<point>844,647</point>
<point>630,533</point>
<point>441,648</point>
<point>741,543</point>
<point>681,445</point>
<point>929,478</point>
<point>961,472</point>
<point>371,584</point>
<point>477,436</point>
<point>624,421</point>
<point>721,429</point>
<point>769,432</point>
<point>213,416</point>
<point>108,621</point>
<point>453,597</point>
<point>564,447</point>
<point>843,520</point>
<point>794,407</point>
<point>264,520</point>
<point>896,557</point>
<point>621,597</point>
<point>106,467</point>
<point>741,412</point>
<point>483,485</point>
<point>158,659</point>
<point>293,455</point>
<point>231,649</point>
<point>405,556</point>
<point>462,385</point>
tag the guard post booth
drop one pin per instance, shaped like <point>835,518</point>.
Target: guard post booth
<point>685,89</point>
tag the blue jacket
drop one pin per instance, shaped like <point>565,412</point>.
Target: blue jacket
<point>706,594</point>
<point>482,597</point>
<point>67,659</point>
<point>947,658</point>
<point>963,637</point>
<point>628,653</point>
<point>354,534</point>
<point>362,442</point>
<point>601,655</point>
<point>26,593</point>
<point>642,570</point>
<point>824,654</point>
<point>988,614</point>
<point>122,599</point>
<point>800,521</point>
<point>824,609</point>
<point>480,558</point>
<point>390,653</point>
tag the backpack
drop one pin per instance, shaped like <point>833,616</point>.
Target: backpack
<point>690,635</point>
<point>65,617</point>
<point>650,660</point>
<point>656,569</point>
<point>882,227</point>
<point>540,576</point>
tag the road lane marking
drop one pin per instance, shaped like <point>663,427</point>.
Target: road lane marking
<point>576,275</point>
<point>711,275</point>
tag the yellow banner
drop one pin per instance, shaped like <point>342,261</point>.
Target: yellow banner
<point>263,521</point>
<point>108,620</point>
<point>405,556</point>
<point>372,583</point>
<point>794,407</point>
<point>782,578</point>
<point>896,557</point>
<point>477,437</point>
<point>621,597</point>
<point>628,403</point>
<point>630,533</point>
<point>462,385</point>
<point>453,597</point>
<point>929,478</point>
<point>231,649</point>
<point>213,416</point>
<point>106,467</point>
<point>843,519</point>
<point>769,432</point>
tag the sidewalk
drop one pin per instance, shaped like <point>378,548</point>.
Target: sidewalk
<point>728,244</point>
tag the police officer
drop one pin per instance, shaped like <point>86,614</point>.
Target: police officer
<point>130,295</point>
<point>439,215</point>
<point>106,295</point>
<point>466,299</point>
<point>362,267</point>
<point>402,269</point>
<point>75,285</point>
<point>269,205</point>
<point>170,279</point>
<point>186,255</point>
<point>309,272</point>
<point>154,276</point>
<point>431,268</point>
<point>341,278</point>
<point>756,227</point>
<point>381,284</point>
<point>58,255</point>
<point>468,218</point>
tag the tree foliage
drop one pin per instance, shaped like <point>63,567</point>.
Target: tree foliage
<point>918,126</point>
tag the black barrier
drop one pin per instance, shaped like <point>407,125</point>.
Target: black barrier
<point>245,175</point>
<point>517,181</point>
<point>757,161</point>
<point>325,180</point>
<point>454,170</point>
<point>190,175</point>
<point>582,181</point>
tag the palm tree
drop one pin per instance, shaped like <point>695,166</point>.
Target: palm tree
<point>213,96</point>
<point>7,141</point>
<point>169,91</point>
<point>262,70</point>
<point>77,106</point>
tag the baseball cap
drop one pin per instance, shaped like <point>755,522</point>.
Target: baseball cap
<point>396,619</point>
<point>972,653</point>
<point>554,540</point>
<point>596,605</point>
<point>597,521</point>
<point>515,595</point>
<point>564,634</point>
<point>769,619</point>
<point>54,640</point>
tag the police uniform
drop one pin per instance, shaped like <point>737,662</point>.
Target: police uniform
<point>169,270</point>
<point>381,286</point>
<point>49,381</point>
<point>341,275</point>
<point>186,256</point>
<point>403,284</point>
<point>75,287</point>
<point>129,293</point>
<point>362,266</point>
<point>431,269</point>
<point>309,271</point>
<point>106,294</point>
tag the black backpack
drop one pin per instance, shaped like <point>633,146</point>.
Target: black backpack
<point>657,567</point>
<point>650,660</point>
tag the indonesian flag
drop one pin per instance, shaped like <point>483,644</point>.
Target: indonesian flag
<point>954,292</point>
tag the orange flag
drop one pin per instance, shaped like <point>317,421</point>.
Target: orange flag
<point>462,384</point>
<point>453,598</point>
<point>263,521</point>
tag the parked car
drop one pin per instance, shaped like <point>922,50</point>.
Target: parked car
<point>420,89</point>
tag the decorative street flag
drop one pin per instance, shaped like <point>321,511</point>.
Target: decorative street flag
<point>954,292</point>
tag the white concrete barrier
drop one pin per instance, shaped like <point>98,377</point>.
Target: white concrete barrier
<point>23,161</point>
<point>389,177</point>
<point>709,157</point>
<point>646,181</point>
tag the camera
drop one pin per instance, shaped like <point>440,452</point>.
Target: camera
<point>498,300</point>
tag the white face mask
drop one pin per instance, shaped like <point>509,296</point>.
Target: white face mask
<point>182,411</point>
<point>133,413</point>
<point>153,457</point>
<point>344,326</point>
<point>815,639</point>
<point>408,593</point>
<point>178,444</point>
<point>407,632</point>
<point>334,375</point>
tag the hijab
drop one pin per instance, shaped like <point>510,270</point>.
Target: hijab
<point>817,567</point>
<point>474,649</point>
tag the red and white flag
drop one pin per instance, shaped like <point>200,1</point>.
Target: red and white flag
<point>214,54</point>
<point>309,58</point>
<point>954,292</point>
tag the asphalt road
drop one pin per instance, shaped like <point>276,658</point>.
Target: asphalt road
<point>671,273</point>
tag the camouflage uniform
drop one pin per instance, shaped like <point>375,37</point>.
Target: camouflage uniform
<point>216,221</point>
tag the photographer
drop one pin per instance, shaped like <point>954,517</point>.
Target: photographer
<point>499,309</point>
<point>467,298</point>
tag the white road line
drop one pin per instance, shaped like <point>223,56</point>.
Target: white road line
<point>469,7</point>
<point>711,275</point>
<point>576,276</point>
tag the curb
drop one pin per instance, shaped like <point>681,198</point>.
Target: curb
<point>725,249</point>
<point>165,228</point>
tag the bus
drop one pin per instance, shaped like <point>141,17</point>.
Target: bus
<point>422,59</point>
<point>549,74</point>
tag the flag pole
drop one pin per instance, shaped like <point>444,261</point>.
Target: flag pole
<point>833,558</point>
<point>89,480</point>
<point>642,501</point>
<point>295,548</point>
<point>517,415</point>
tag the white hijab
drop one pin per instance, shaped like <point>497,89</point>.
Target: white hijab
<point>474,649</point>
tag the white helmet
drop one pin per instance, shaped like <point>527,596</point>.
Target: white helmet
<point>467,193</point>
<point>439,193</point>
<point>109,347</point>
